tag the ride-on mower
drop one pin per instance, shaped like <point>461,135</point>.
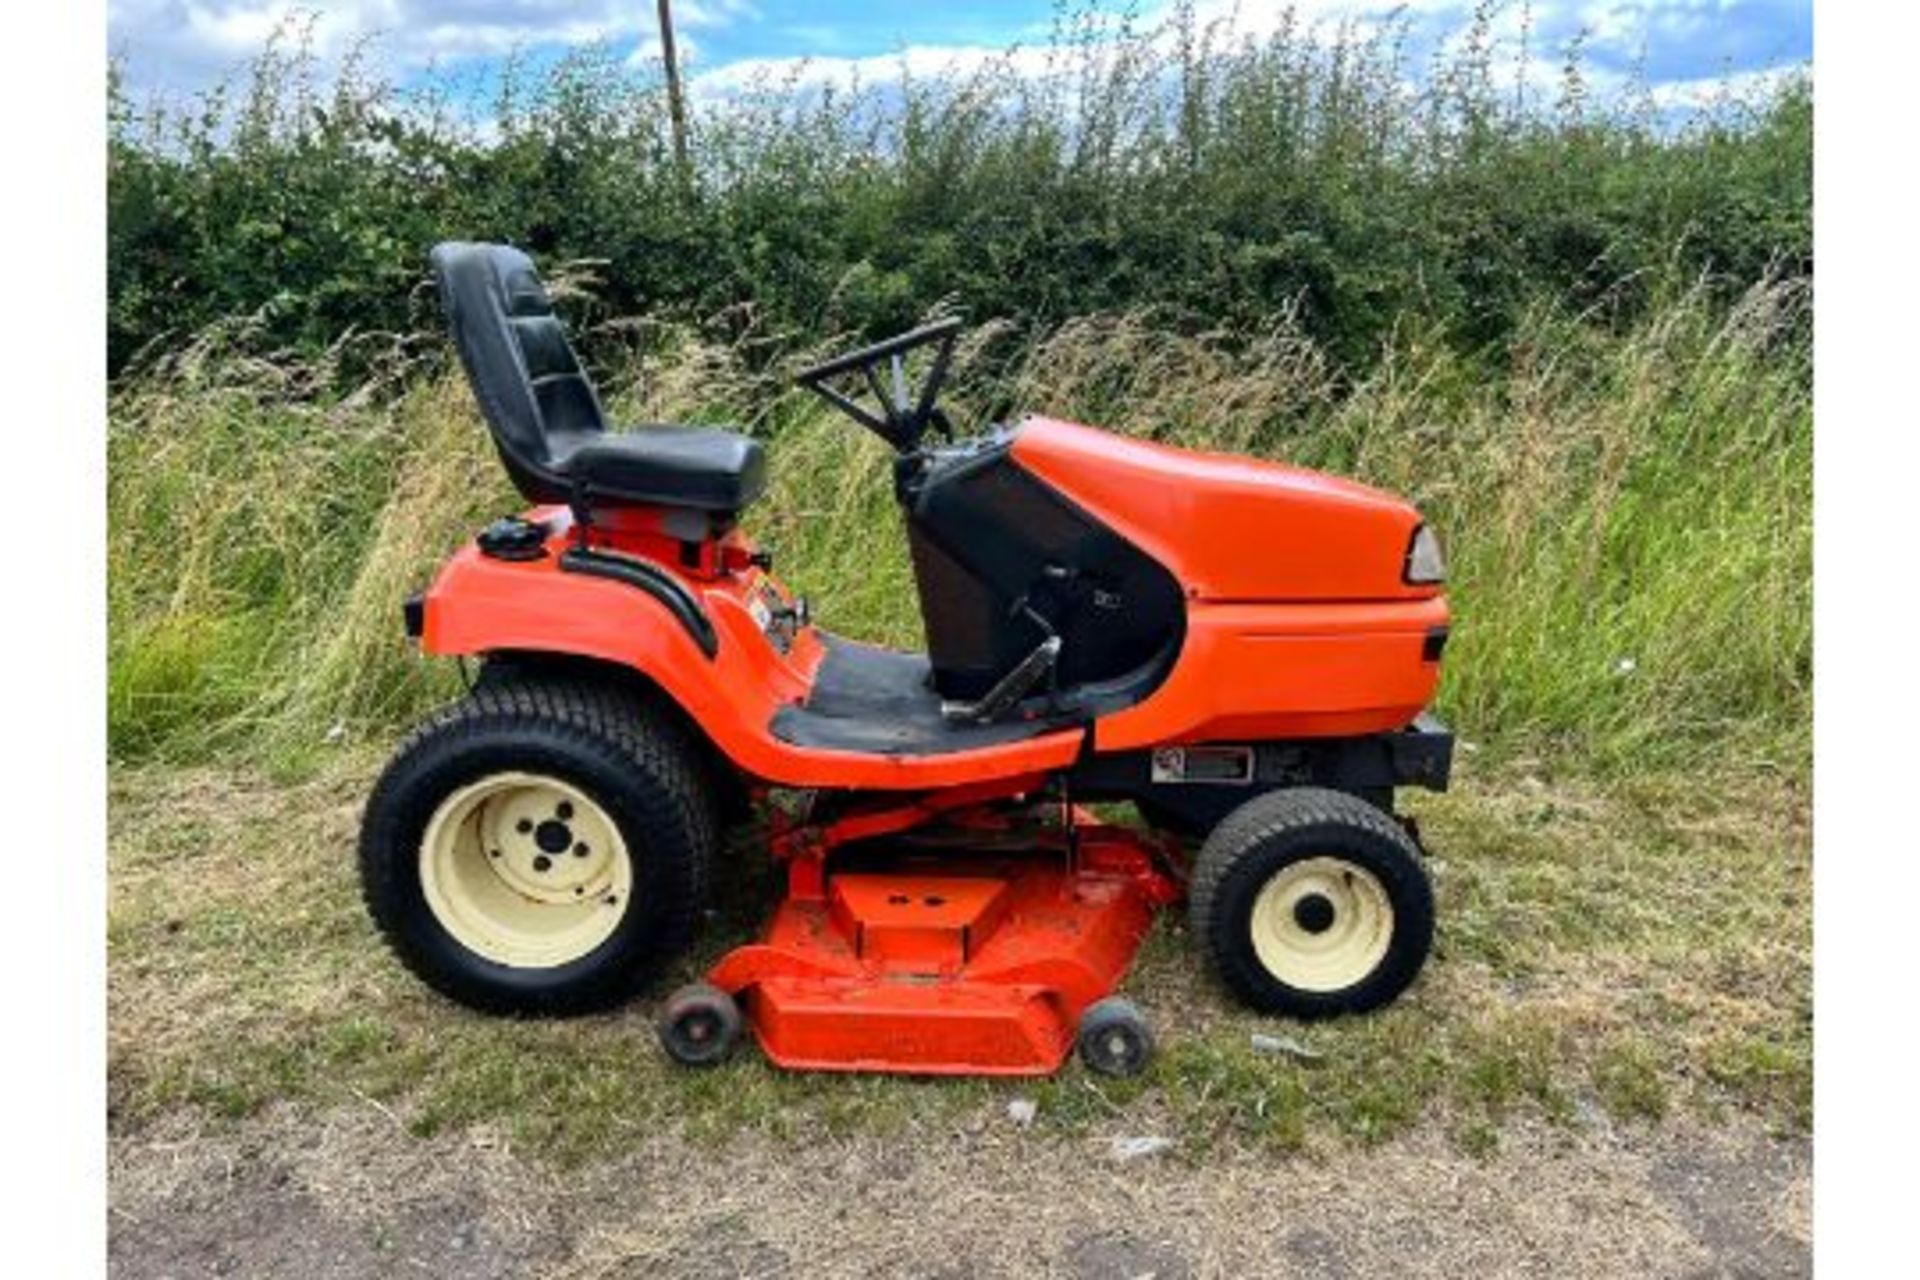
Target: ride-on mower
<point>1242,650</point>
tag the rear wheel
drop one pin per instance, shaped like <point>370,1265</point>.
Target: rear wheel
<point>538,848</point>
<point>1312,903</point>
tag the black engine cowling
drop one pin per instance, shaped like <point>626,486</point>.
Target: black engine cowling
<point>1001,561</point>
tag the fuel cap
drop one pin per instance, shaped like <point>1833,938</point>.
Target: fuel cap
<point>514,538</point>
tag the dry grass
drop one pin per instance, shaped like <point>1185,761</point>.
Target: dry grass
<point>1607,953</point>
<point>346,1195</point>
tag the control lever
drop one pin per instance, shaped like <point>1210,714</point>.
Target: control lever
<point>1013,686</point>
<point>799,613</point>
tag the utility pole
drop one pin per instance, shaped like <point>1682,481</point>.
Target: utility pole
<point>676,105</point>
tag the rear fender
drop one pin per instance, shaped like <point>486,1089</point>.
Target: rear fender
<point>479,606</point>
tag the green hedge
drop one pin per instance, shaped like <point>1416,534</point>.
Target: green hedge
<point>1219,182</point>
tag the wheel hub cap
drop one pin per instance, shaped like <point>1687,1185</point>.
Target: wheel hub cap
<point>553,836</point>
<point>1322,924</point>
<point>525,869</point>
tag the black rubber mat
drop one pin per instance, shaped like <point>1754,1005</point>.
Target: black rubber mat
<point>876,700</point>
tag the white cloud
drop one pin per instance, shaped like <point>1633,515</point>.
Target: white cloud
<point>181,43</point>
<point>915,61</point>
<point>1229,21</point>
<point>1706,91</point>
<point>184,43</point>
<point>1545,26</point>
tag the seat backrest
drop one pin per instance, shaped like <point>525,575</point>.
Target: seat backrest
<point>523,371</point>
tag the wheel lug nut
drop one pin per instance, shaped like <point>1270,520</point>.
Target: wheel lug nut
<point>580,850</point>
<point>563,811</point>
<point>542,862</point>
<point>523,826</point>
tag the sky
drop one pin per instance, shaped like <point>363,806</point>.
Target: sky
<point>180,46</point>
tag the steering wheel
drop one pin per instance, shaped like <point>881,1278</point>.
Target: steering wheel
<point>903,418</point>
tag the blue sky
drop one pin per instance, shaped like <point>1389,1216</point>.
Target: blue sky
<point>181,45</point>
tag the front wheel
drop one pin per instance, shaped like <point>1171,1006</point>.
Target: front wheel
<point>541,847</point>
<point>1312,903</point>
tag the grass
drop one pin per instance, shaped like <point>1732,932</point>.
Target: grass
<point>1608,954</point>
<point>1628,518</point>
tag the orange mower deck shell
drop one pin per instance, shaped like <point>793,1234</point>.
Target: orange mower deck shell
<point>964,965</point>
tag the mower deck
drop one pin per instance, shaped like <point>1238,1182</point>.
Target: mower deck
<point>950,963</point>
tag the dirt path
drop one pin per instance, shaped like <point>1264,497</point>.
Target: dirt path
<point>349,1195</point>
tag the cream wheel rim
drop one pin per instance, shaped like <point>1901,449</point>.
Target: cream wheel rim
<point>525,870</point>
<point>1322,924</point>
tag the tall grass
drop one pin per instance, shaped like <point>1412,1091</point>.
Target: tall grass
<point>1628,514</point>
<point>1573,329</point>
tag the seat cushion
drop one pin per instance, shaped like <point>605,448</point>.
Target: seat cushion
<point>699,467</point>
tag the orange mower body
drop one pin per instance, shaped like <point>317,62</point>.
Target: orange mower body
<point>1242,649</point>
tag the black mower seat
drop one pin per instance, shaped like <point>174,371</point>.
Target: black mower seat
<point>545,415</point>
<point>667,465</point>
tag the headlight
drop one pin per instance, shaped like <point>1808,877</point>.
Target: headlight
<point>1425,565</point>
